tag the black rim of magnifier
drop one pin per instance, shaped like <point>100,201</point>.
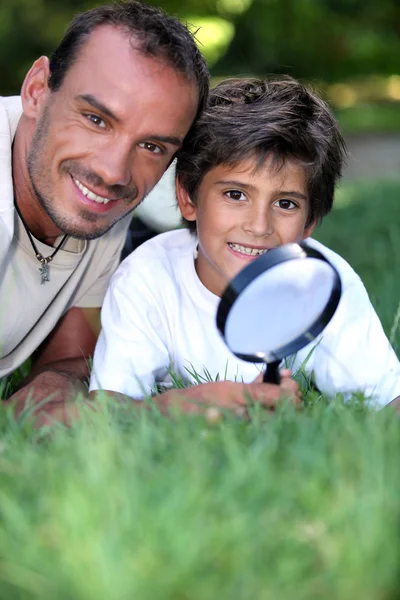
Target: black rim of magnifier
<point>252,271</point>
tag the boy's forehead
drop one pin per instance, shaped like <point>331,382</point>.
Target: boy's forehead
<point>269,169</point>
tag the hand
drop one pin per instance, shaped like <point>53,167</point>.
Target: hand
<point>230,395</point>
<point>54,393</point>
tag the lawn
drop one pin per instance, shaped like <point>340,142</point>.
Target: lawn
<point>292,505</point>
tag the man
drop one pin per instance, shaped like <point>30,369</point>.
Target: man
<point>97,127</point>
<point>94,130</point>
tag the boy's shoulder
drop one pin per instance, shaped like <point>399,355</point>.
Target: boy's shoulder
<point>164,249</point>
<point>346,271</point>
<point>160,258</point>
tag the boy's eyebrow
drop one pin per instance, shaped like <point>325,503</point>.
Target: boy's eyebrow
<point>250,186</point>
<point>294,194</point>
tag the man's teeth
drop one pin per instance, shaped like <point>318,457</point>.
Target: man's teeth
<point>89,194</point>
<point>247,250</point>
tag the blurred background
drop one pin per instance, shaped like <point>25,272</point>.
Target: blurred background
<point>348,49</point>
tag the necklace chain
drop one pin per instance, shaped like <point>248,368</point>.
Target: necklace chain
<point>44,260</point>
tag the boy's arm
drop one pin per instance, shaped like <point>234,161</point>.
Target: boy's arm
<point>396,404</point>
<point>226,395</point>
<point>132,349</point>
<point>132,352</point>
<point>354,354</point>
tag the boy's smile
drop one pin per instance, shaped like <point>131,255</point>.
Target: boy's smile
<point>242,212</point>
<point>247,251</point>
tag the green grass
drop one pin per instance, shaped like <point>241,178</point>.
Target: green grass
<point>291,505</point>
<point>129,504</point>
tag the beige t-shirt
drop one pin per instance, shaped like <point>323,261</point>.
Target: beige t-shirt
<point>79,272</point>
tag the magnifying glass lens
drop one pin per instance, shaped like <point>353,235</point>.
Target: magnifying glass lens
<point>281,304</point>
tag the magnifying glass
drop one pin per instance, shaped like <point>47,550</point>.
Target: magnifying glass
<point>278,304</point>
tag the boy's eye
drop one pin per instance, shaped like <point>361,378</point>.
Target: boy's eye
<point>286,204</point>
<point>98,121</point>
<point>153,148</point>
<point>235,195</point>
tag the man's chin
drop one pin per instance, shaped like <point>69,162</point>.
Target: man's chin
<point>87,234</point>
<point>85,228</point>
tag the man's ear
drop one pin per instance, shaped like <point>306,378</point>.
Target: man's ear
<point>308,230</point>
<point>35,90</point>
<point>186,206</point>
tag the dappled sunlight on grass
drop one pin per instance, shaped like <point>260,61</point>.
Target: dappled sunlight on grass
<point>366,89</point>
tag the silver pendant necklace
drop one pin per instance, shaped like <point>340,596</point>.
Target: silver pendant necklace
<point>44,268</point>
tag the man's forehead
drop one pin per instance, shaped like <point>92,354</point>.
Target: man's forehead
<point>109,64</point>
<point>114,48</point>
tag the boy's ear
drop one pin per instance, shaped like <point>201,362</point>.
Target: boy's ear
<point>308,230</point>
<point>186,206</point>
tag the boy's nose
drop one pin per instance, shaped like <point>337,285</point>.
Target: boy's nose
<point>259,223</point>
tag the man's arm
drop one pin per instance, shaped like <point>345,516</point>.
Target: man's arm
<point>61,364</point>
<point>70,344</point>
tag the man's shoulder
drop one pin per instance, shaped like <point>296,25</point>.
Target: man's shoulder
<point>10,113</point>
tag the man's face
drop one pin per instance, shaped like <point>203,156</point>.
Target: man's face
<point>242,212</point>
<point>104,139</point>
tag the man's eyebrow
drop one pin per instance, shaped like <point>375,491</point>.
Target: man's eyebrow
<point>89,99</point>
<point>165,139</point>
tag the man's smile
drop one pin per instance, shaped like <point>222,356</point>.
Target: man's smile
<point>90,194</point>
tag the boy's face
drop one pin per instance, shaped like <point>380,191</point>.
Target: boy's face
<point>242,213</point>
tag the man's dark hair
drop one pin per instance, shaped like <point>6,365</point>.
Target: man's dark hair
<point>276,117</point>
<point>155,34</point>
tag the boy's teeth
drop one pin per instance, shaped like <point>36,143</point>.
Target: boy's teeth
<point>89,194</point>
<point>247,250</point>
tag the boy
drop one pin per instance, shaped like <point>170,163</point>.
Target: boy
<point>257,171</point>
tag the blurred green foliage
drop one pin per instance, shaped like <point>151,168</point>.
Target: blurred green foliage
<point>328,40</point>
<point>323,40</point>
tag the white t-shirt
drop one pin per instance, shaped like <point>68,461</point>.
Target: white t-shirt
<point>157,314</point>
<point>79,272</point>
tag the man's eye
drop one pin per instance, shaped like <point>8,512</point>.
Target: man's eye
<point>98,121</point>
<point>153,148</point>
<point>235,195</point>
<point>286,204</point>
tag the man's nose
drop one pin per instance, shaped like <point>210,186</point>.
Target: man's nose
<point>114,165</point>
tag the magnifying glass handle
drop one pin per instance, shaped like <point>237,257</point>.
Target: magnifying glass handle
<point>271,373</point>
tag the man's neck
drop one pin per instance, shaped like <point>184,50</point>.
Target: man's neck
<point>35,217</point>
